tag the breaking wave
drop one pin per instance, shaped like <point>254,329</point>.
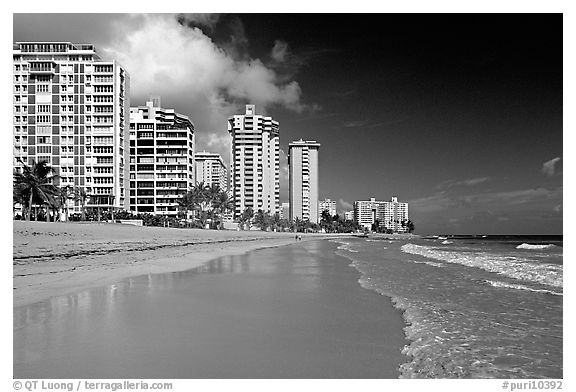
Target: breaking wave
<point>517,268</point>
<point>520,287</point>
<point>532,246</point>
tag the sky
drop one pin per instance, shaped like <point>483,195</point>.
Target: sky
<point>460,115</point>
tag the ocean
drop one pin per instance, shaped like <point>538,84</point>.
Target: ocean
<point>474,306</point>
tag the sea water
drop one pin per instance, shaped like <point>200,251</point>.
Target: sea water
<point>475,307</point>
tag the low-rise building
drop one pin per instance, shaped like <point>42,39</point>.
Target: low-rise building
<point>327,205</point>
<point>391,215</point>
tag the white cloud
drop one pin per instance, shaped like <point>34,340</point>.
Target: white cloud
<point>549,167</point>
<point>346,206</point>
<point>467,182</point>
<point>196,76</point>
<point>206,20</point>
<point>279,51</point>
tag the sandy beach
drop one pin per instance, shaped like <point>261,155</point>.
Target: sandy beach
<point>294,311</point>
<point>51,259</point>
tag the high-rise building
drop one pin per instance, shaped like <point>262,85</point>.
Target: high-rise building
<point>210,169</point>
<point>254,162</point>
<point>391,215</point>
<point>71,109</point>
<point>303,181</point>
<point>285,211</point>
<point>327,205</point>
<point>161,158</point>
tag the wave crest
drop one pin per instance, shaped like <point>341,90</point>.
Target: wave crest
<point>533,246</point>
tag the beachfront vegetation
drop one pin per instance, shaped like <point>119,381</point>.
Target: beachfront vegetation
<point>335,224</point>
<point>33,186</point>
<point>208,204</point>
<point>377,227</point>
<point>202,206</point>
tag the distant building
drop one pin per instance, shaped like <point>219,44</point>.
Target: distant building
<point>210,169</point>
<point>285,211</point>
<point>303,181</point>
<point>349,215</point>
<point>389,214</point>
<point>327,205</point>
<point>255,162</point>
<point>161,158</point>
<point>70,109</point>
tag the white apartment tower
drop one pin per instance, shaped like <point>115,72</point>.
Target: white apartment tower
<point>254,162</point>
<point>70,109</point>
<point>327,205</point>
<point>303,181</point>
<point>391,214</point>
<point>161,158</point>
<point>210,169</point>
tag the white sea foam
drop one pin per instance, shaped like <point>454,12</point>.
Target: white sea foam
<point>346,246</point>
<point>446,242</point>
<point>533,246</point>
<point>432,263</point>
<point>520,287</point>
<point>549,274</point>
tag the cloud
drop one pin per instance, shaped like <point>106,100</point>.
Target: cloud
<point>549,167</point>
<point>475,181</point>
<point>367,124</point>
<point>494,212</point>
<point>346,206</point>
<point>279,51</point>
<point>171,56</point>
<point>467,182</point>
<point>354,124</point>
<point>193,20</point>
<point>219,141</point>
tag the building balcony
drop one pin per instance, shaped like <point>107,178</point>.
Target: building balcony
<point>42,68</point>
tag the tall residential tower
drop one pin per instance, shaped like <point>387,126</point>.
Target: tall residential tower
<point>161,158</point>
<point>303,182</point>
<point>71,110</point>
<point>210,169</point>
<point>254,162</point>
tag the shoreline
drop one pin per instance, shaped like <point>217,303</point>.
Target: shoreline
<point>54,259</point>
<point>271,306</point>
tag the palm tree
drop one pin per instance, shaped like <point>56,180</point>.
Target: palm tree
<point>187,203</point>
<point>65,193</point>
<point>83,197</point>
<point>245,218</point>
<point>222,203</point>
<point>201,197</point>
<point>36,182</point>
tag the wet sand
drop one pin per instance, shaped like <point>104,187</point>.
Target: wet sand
<point>295,311</point>
<point>51,259</point>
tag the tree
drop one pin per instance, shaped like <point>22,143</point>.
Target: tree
<point>36,181</point>
<point>187,203</point>
<point>263,220</point>
<point>410,226</point>
<point>81,196</point>
<point>221,204</point>
<point>65,193</point>
<point>246,217</point>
